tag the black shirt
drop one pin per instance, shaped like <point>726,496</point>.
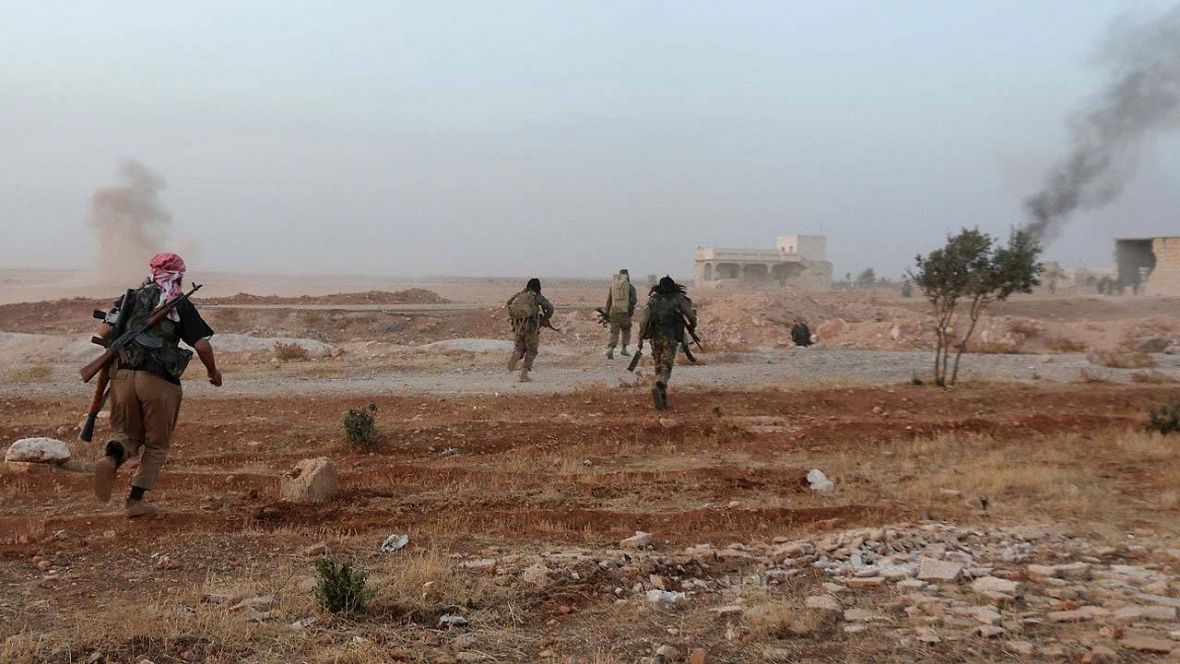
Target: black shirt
<point>191,327</point>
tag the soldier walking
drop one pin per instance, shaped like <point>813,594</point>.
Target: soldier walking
<point>528,310</point>
<point>620,307</point>
<point>664,319</point>
<point>145,381</point>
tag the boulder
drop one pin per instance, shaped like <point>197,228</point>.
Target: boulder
<point>637,541</point>
<point>819,481</point>
<point>38,450</point>
<point>310,481</point>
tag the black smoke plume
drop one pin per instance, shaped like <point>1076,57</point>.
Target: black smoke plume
<point>1140,101</point>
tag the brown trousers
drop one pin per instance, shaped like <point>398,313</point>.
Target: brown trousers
<point>144,408</point>
<point>619,323</point>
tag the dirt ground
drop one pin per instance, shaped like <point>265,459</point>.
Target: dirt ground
<point>1035,482</point>
<point>562,478</point>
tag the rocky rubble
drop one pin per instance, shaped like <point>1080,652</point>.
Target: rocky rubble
<point>1043,591</point>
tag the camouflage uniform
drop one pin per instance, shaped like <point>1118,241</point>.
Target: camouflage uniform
<point>620,322</point>
<point>665,336</point>
<point>526,333</point>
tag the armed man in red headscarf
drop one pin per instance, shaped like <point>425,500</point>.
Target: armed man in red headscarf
<point>145,380</point>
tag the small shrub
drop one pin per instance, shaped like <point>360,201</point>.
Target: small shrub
<point>1025,328</point>
<point>290,352</point>
<point>1063,345</point>
<point>1094,379</point>
<point>1165,419</point>
<point>1122,359</point>
<point>994,347</point>
<point>360,426</point>
<point>342,588</point>
<point>1152,376</point>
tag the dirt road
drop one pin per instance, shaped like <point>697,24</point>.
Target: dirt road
<point>556,375</point>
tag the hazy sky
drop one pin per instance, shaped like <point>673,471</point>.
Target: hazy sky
<point>556,138</point>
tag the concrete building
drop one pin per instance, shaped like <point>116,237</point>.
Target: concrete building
<point>796,260</point>
<point>1149,265</point>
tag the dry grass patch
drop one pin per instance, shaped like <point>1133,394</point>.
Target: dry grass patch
<point>1152,377</point>
<point>1122,359</point>
<point>1063,345</point>
<point>1092,378</point>
<point>34,373</point>
<point>290,352</point>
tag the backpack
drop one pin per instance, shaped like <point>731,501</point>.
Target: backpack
<point>620,295</point>
<point>523,305</point>
<point>663,316</point>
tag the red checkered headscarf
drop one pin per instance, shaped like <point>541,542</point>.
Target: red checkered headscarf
<point>168,273</point>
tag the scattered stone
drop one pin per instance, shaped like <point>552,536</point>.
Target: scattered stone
<point>927,635</point>
<point>1076,615</point>
<point>1148,644</point>
<point>823,603</point>
<point>931,569</point>
<point>860,615</point>
<point>470,656</point>
<point>698,656</point>
<point>1159,613</point>
<point>988,631</point>
<point>450,620</point>
<point>869,582</point>
<point>637,541</point>
<point>479,565</point>
<point>1100,655</point>
<point>819,481</point>
<point>395,542</point>
<point>994,584</point>
<point>729,610</point>
<point>303,623</point>
<point>38,450</point>
<point>537,575</point>
<point>310,481</point>
<point>665,597</point>
<point>1173,602</point>
<point>668,654</point>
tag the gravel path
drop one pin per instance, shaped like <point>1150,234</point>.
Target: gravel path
<point>554,375</point>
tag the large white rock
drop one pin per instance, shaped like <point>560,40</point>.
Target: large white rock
<point>38,450</point>
<point>310,481</point>
<point>819,481</point>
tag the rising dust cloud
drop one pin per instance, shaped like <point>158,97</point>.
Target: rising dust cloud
<point>131,223</point>
<point>1140,101</point>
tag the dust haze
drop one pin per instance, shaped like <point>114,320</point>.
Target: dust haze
<point>1141,101</point>
<point>130,222</point>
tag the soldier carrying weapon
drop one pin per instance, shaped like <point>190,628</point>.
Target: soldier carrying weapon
<point>620,307</point>
<point>665,319</point>
<point>144,362</point>
<point>528,312</point>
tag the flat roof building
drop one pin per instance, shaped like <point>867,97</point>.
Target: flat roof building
<point>1149,265</point>
<point>796,260</point>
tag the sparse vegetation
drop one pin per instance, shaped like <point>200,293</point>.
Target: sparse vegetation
<point>31,374</point>
<point>342,588</point>
<point>1063,345</point>
<point>1165,419</point>
<point>1122,359</point>
<point>360,425</point>
<point>1152,377</point>
<point>970,267</point>
<point>291,352</point>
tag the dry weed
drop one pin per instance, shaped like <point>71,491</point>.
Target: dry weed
<point>1152,377</point>
<point>291,352</point>
<point>1090,377</point>
<point>34,373</point>
<point>1122,359</point>
<point>1063,345</point>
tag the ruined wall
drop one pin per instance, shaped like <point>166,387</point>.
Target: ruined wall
<point>1165,278</point>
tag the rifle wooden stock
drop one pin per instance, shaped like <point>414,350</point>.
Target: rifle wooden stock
<point>96,365</point>
<point>102,361</point>
<point>635,360</point>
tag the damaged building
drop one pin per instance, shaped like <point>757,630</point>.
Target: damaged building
<point>1150,266</point>
<point>797,260</point>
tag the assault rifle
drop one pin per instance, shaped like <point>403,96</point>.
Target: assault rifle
<point>102,387</point>
<point>124,340</point>
<point>687,351</point>
<point>603,318</point>
<point>545,322</point>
